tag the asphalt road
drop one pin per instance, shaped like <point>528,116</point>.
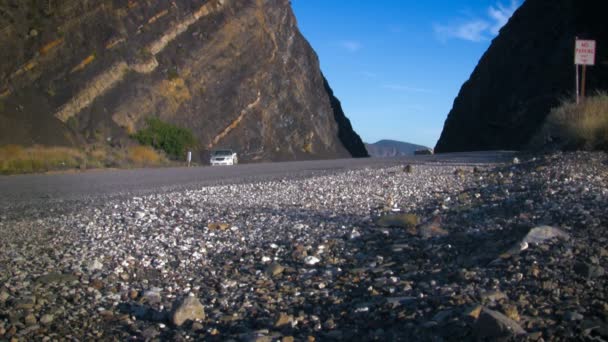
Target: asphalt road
<point>29,191</point>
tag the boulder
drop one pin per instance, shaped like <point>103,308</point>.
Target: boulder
<point>190,308</point>
<point>493,324</point>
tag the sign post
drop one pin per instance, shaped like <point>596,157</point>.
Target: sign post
<point>584,54</point>
<point>189,158</point>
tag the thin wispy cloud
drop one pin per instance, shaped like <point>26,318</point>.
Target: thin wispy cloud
<point>405,88</point>
<point>369,74</point>
<point>476,29</point>
<point>500,14</point>
<point>351,45</point>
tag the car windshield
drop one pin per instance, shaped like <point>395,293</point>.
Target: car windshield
<point>222,153</point>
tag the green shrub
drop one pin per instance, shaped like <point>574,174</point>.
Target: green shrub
<point>173,140</point>
<point>72,123</point>
<point>172,73</point>
<point>574,126</point>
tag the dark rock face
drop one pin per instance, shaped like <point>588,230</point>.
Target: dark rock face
<point>528,69</point>
<point>237,73</point>
<point>392,148</point>
<point>349,138</point>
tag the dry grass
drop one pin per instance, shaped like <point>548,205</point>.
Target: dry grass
<point>18,159</point>
<point>143,156</point>
<point>15,159</point>
<point>574,126</point>
<point>307,148</point>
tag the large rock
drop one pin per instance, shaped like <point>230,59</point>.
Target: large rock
<point>493,324</point>
<point>528,69</point>
<point>407,221</point>
<point>541,234</point>
<point>589,271</point>
<point>238,73</point>
<point>537,235</point>
<point>189,308</point>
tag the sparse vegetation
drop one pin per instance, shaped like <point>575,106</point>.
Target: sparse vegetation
<point>173,140</point>
<point>18,159</point>
<point>15,159</point>
<point>307,148</point>
<point>574,126</point>
<point>143,155</point>
<point>144,54</point>
<point>72,123</point>
<point>172,73</point>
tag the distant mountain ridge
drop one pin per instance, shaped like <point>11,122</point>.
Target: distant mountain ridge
<point>392,148</point>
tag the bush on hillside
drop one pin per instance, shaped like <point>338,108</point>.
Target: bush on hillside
<point>572,126</point>
<point>173,140</point>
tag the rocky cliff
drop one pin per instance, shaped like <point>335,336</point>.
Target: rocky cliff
<point>528,69</point>
<point>238,73</point>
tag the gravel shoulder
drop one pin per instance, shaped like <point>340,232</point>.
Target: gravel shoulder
<point>43,193</point>
<point>435,251</point>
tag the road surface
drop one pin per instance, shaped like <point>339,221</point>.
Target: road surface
<point>29,191</point>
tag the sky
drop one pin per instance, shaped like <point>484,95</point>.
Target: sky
<point>397,65</point>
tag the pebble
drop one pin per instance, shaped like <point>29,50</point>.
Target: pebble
<point>431,229</point>
<point>46,319</point>
<point>573,316</point>
<point>311,260</point>
<point>398,221</point>
<point>30,319</point>
<point>493,296</point>
<point>275,269</point>
<point>589,271</point>
<point>366,254</point>
<point>94,265</point>
<point>283,319</point>
<point>189,308</point>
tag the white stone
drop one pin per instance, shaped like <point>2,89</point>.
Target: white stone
<point>94,265</point>
<point>311,260</point>
<point>543,233</point>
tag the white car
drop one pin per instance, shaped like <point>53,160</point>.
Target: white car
<point>224,157</point>
<point>424,151</point>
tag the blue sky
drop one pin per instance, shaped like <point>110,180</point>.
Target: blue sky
<point>397,65</point>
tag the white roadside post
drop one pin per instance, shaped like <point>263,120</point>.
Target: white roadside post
<point>584,54</point>
<point>189,158</point>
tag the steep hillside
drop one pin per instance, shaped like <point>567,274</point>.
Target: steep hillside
<point>237,73</point>
<point>526,71</point>
<point>392,148</point>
